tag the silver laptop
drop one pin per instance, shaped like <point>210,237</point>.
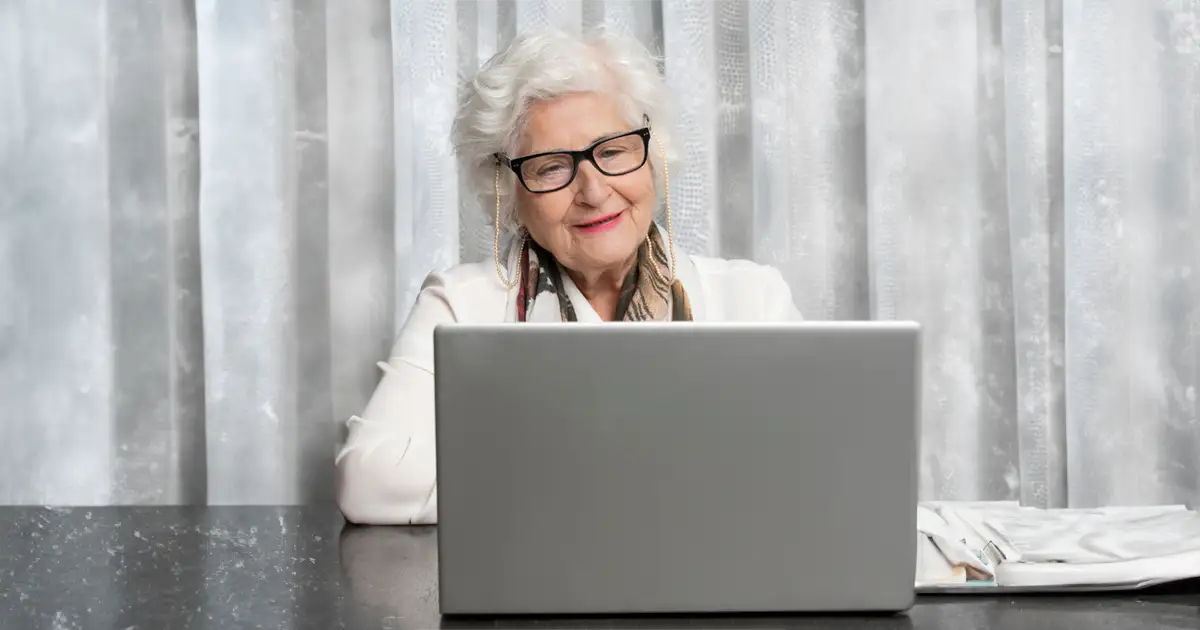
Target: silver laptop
<point>677,468</point>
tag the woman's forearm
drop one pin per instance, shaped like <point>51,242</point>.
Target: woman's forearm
<point>386,472</point>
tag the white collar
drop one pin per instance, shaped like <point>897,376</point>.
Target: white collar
<point>583,308</point>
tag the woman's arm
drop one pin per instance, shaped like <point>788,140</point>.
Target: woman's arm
<point>386,472</point>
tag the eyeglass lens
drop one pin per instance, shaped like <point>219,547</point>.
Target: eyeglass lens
<point>613,157</point>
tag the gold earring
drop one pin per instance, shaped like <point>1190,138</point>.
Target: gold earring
<point>496,241</point>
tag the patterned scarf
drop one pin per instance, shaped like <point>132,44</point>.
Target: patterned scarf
<point>645,295</point>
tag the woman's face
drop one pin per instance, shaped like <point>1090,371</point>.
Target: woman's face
<point>596,223</point>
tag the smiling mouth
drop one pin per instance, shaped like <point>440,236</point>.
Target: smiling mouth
<point>599,222</point>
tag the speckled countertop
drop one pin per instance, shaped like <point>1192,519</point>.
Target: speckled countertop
<point>263,567</point>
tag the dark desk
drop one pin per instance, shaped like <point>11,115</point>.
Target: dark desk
<point>152,568</point>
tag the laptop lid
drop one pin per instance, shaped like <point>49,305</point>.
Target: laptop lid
<point>656,467</point>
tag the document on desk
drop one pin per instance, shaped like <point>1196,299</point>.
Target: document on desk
<point>965,547</point>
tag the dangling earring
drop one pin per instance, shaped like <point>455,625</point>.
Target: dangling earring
<point>667,202</point>
<point>496,241</point>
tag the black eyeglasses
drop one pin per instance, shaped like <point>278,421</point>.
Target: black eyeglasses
<point>555,170</point>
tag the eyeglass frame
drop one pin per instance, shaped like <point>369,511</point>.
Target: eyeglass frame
<point>585,154</point>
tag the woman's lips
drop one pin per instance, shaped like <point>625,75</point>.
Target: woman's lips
<point>602,224</point>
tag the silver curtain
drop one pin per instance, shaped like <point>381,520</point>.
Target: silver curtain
<point>215,215</point>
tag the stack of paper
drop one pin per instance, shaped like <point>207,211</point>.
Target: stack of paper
<point>1002,544</point>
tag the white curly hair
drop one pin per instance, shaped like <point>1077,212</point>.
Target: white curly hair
<point>545,64</point>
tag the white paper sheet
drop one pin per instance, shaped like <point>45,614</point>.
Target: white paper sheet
<point>1032,549</point>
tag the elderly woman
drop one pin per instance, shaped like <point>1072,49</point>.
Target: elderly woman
<point>565,137</point>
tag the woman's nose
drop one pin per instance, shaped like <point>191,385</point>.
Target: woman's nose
<point>593,185</point>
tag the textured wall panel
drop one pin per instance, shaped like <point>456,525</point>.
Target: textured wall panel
<point>1131,208</point>
<point>57,367</point>
<point>184,295</point>
<point>642,18</point>
<point>1021,176</point>
<point>361,199</point>
<point>1033,92</point>
<point>809,180</point>
<point>691,68</point>
<point>933,217</point>
<point>563,14</point>
<point>309,191</point>
<point>478,22</point>
<point>158,411</point>
<point>249,244</point>
<point>425,74</point>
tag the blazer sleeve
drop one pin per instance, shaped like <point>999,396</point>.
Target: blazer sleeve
<point>386,471</point>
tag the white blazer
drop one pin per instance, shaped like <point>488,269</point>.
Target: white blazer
<point>386,469</point>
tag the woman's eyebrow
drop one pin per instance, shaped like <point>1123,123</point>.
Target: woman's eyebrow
<point>606,135</point>
<point>590,143</point>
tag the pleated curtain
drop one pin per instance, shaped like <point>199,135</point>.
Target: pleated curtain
<point>215,215</point>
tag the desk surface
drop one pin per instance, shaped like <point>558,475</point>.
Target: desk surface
<point>266,567</point>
